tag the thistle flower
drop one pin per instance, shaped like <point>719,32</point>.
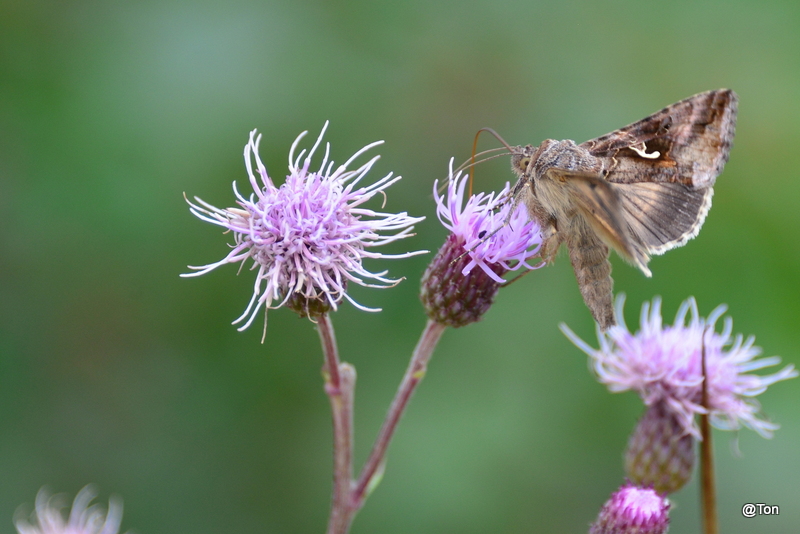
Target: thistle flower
<point>83,518</point>
<point>307,238</point>
<point>664,365</point>
<point>633,510</point>
<point>460,283</point>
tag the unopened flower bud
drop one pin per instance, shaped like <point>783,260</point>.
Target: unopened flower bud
<point>660,452</point>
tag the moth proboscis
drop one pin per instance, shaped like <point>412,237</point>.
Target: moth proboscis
<point>641,190</point>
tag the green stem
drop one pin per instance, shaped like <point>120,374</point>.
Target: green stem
<point>373,469</point>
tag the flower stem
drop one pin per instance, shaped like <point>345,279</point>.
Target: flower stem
<point>707,486</point>
<point>348,495</point>
<point>373,469</point>
<point>330,351</point>
<point>340,381</point>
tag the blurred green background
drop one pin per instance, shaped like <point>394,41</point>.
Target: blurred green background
<point>115,371</point>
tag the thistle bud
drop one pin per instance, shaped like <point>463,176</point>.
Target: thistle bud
<point>660,452</point>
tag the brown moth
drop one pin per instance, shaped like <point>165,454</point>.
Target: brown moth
<point>643,189</point>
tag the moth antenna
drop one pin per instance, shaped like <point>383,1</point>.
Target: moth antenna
<point>467,164</point>
<point>470,163</point>
<point>496,136</point>
<point>471,166</point>
<point>475,149</point>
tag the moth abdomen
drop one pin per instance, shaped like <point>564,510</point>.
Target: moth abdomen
<point>589,258</point>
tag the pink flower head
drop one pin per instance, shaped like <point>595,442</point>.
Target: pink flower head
<point>308,237</point>
<point>664,365</point>
<point>633,510</point>
<point>481,215</point>
<point>453,292</point>
<point>83,518</point>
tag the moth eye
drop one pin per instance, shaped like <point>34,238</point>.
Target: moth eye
<point>523,163</point>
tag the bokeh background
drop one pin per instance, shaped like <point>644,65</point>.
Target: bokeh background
<point>115,371</point>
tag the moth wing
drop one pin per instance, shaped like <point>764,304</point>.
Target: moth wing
<point>602,207</point>
<point>662,216</point>
<point>688,143</point>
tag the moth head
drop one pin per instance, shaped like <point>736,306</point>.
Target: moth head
<point>521,159</point>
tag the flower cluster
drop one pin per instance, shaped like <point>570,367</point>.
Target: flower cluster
<point>307,240</point>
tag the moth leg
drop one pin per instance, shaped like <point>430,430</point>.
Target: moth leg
<point>589,257</point>
<point>551,240</point>
<point>548,225</point>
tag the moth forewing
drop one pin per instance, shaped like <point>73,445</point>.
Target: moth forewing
<point>600,206</point>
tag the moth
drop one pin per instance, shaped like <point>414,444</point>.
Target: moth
<point>641,190</point>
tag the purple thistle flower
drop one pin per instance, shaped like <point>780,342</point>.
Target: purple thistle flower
<point>663,364</point>
<point>482,214</point>
<point>455,292</point>
<point>308,237</point>
<point>633,510</point>
<point>83,518</point>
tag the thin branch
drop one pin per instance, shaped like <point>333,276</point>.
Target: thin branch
<point>373,469</point>
<point>708,493</point>
<point>340,381</point>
